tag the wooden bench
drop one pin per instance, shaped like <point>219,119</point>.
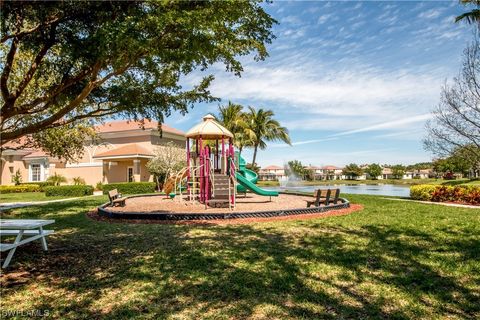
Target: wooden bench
<point>32,229</point>
<point>115,198</point>
<point>324,196</point>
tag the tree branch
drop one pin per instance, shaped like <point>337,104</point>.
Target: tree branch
<point>6,71</point>
<point>21,34</point>
<point>36,62</point>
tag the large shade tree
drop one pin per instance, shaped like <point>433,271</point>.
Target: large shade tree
<point>66,63</point>
<point>265,128</point>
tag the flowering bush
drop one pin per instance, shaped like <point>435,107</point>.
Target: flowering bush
<point>460,194</point>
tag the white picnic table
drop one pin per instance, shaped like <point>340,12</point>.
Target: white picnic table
<point>31,228</point>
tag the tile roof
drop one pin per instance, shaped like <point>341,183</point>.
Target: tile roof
<point>387,171</point>
<point>126,125</point>
<point>330,168</point>
<point>36,154</point>
<point>273,167</point>
<point>129,150</point>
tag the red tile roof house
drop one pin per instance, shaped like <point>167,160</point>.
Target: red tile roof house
<point>316,172</point>
<point>120,155</point>
<point>332,173</point>
<point>271,173</point>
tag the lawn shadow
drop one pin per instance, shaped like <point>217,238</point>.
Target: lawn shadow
<point>285,270</point>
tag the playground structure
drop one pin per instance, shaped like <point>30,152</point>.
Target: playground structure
<point>214,172</point>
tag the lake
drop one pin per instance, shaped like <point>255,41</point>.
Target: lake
<point>380,189</point>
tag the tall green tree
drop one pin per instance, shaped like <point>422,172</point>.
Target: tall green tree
<point>65,62</point>
<point>374,170</point>
<point>398,171</point>
<point>266,128</point>
<point>352,170</point>
<point>472,16</point>
<point>296,167</point>
<point>232,117</point>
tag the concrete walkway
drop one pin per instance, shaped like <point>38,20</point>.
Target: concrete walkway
<point>437,203</point>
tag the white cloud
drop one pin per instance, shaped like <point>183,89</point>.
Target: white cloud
<point>299,143</point>
<point>388,125</point>
<point>430,14</point>
<point>324,18</point>
<point>325,92</point>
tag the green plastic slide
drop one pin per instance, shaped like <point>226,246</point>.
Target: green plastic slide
<point>247,184</point>
<point>247,179</point>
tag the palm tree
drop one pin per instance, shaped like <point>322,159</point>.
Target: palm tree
<point>266,128</point>
<point>233,118</point>
<point>471,16</point>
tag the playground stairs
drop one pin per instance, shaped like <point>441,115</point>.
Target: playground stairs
<point>222,190</point>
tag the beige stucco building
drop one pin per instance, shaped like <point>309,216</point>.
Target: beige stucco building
<point>119,155</point>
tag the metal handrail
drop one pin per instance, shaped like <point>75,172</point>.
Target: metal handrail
<point>232,180</point>
<point>212,178</point>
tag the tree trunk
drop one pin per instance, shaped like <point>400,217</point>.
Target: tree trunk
<point>254,155</point>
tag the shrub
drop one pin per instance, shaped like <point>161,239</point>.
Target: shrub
<point>78,181</point>
<point>57,179</point>
<point>460,193</point>
<point>17,178</point>
<point>422,192</point>
<point>130,187</point>
<point>41,184</point>
<point>20,188</point>
<point>68,191</point>
<point>99,185</point>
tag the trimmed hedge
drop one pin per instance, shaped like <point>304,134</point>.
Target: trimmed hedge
<point>460,194</point>
<point>130,187</point>
<point>42,184</point>
<point>422,192</point>
<point>68,191</point>
<point>20,188</point>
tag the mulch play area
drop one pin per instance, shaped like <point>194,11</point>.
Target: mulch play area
<point>248,203</point>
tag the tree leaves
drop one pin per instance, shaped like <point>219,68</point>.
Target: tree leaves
<point>94,59</point>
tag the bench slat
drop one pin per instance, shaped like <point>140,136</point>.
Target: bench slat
<point>6,246</point>
<point>7,232</point>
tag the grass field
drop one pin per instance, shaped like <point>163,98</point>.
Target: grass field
<point>27,197</point>
<point>393,260</point>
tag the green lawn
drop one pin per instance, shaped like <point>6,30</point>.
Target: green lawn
<point>393,260</point>
<point>27,197</point>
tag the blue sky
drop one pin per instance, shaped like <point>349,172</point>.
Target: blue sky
<point>352,81</point>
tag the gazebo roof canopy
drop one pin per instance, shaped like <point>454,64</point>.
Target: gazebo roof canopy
<point>208,129</point>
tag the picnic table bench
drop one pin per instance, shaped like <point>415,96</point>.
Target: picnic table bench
<point>31,228</point>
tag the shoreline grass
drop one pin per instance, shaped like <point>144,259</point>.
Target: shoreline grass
<point>391,260</point>
<point>406,182</point>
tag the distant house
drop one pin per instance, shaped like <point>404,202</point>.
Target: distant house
<point>120,155</point>
<point>316,172</point>
<point>387,173</point>
<point>271,173</point>
<point>423,174</point>
<point>332,172</point>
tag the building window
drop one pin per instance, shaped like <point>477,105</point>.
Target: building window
<point>35,172</point>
